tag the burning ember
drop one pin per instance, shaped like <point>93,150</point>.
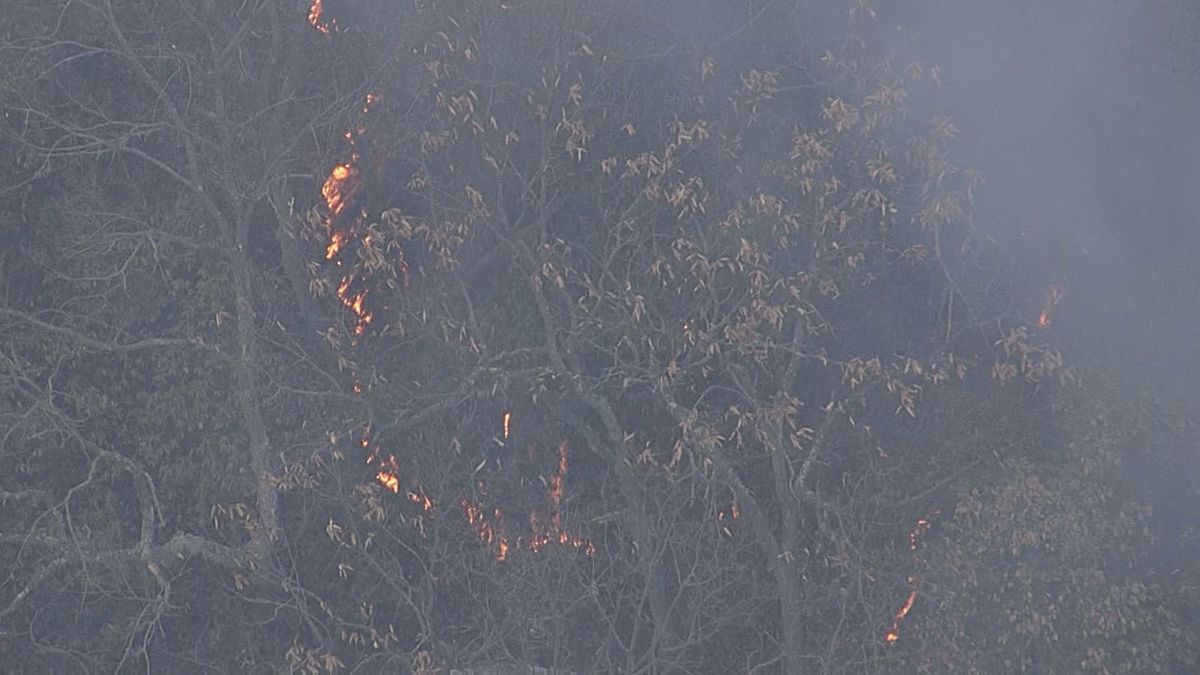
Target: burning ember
<point>317,19</point>
<point>914,539</point>
<point>421,499</point>
<point>388,474</point>
<point>341,190</point>
<point>894,634</point>
<point>545,526</point>
<point>344,222</point>
<point>725,518</point>
<point>1054,293</point>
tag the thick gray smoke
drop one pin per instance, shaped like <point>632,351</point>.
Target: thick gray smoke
<point>1084,116</point>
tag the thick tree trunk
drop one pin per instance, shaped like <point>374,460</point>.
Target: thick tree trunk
<point>791,617</point>
<point>246,395</point>
<point>786,581</point>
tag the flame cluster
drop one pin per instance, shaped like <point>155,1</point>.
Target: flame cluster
<point>725,517</point>
<point>1054,293</point>
<point>914,539</point>
<point>488,527</point>
<point>317,19</point>
<point>914,535</point>
<point>387,473</point>
<point>893,633</point>
<point>545,526</point>
<point>344,222</point>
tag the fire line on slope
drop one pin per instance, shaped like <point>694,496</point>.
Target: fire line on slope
<point>914,582</point>
<point>345,225</point>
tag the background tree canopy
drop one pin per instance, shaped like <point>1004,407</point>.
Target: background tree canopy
<point>612,336</point>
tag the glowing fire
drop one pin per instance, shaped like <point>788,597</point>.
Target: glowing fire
<point>341,190</point>
<point>340,187</point>
<point>388,474</point>
<point>894,634</point>
<point>421,499</point>
<point>1054,293</point>
<point>914,539</point>
<point>725,518</point>
<point>545,526</point>
<point>344,221</point>
<point>388,480</point>
<point>316,18</point>
<point>489,530</point>
<point>558,480</point>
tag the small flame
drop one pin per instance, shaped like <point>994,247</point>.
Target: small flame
<point>421,499</point>
<point>545,526</point>
<point>388,473</point>
<point>1054,293</point>
<point>341,189</point>
<point>914,539</point>
<point>558,479</point>
<point>723,516</point>
<point>894,634</point>
<point>336,240</point>
<point>316,18</point>
<point>389,480</point>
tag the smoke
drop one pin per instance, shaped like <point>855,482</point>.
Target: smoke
<point>1084,118</point>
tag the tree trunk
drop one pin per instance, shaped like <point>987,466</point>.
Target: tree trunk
<point>246,395</point>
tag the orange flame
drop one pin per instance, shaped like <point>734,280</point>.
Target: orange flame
<point>421,499</point>
<point>547,530</point>
<point>1054,293</point>
<point>388,474</point>
<point>545,527</point>
<point>894,634</point>
<point>558,479</point>
<point>914,538</point>
<point>316,18</point>
<point>389,480</point>
<point>341,189</point>
<point>489,530</point>
<point>725,518</point>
